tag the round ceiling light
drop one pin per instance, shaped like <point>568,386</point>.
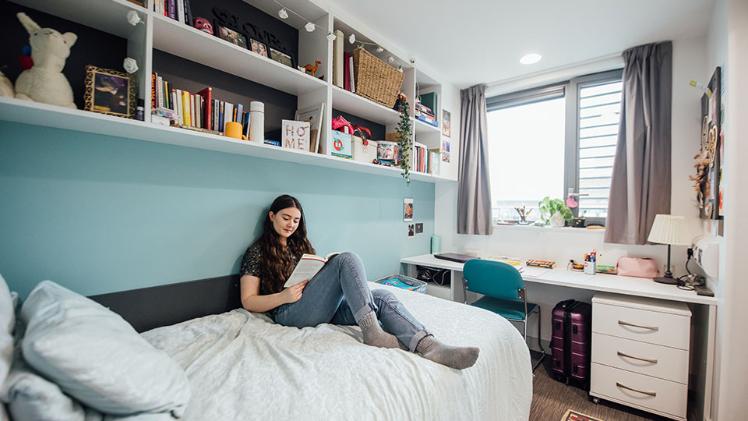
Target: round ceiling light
<point>531,58</point>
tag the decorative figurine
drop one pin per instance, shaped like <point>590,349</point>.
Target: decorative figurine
<point>312,68</point>
<point>44,82</point>
<point>204,25</point>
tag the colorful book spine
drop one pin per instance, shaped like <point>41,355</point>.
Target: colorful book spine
<point>153,89</point>
<point>347,72</point>
<point>207,95</point>
<point>172,9</point>
<point>186,108</point>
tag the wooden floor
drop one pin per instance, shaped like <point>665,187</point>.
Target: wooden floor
<point>551,399</point>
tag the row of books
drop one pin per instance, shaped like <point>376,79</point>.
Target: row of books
<point>197,111</point>
<point>425,160</point>
<point>179,10</point>
<point>343,75</point>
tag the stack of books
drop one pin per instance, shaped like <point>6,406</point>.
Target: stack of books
<point>199,111</point>
<point>425,114</point>
<point>425,104</point>
<point>179,10</point>
<point>420,157</point>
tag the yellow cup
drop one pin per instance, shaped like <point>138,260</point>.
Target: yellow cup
<point>234,129</point>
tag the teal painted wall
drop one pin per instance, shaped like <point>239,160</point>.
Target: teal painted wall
<point>102,214</point>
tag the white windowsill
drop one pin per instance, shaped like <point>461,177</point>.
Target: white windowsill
<point>535,228</point>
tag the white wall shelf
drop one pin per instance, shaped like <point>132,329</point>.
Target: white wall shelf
<point>194,45</point>
<point>362,107</point>
<point>38,114</point>
<point>162,33</point>
<point>105,15</point>
<point>421,128</point>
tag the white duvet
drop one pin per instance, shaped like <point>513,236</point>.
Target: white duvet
<point>242,366</point>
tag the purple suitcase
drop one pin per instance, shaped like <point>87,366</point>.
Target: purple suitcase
<point>570,342</point>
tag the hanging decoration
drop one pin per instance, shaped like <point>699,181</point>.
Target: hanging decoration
<point>405,136</point>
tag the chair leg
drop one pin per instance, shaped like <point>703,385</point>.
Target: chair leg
<point>540,322</point>
<point>540,345</point>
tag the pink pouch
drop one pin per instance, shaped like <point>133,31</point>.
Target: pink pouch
<point>639,267</point>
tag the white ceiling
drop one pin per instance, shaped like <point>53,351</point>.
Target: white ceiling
<point>481,41</point>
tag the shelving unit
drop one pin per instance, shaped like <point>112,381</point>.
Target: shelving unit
<point>161,33</point>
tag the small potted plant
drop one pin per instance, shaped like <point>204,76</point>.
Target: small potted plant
<point>554,212</point>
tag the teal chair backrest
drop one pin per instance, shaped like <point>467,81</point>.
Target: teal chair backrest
<point>494,279</point>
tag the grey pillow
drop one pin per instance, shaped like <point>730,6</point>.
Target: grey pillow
<point>97,357</point>
<point>7,321</point>
<point>33,398</point>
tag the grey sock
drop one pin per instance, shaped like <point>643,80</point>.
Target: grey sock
<point>374,335</point>
<point>458,357</point>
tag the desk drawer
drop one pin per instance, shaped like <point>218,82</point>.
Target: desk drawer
<point>654,327</point>
<point>639,390</point>
<point>640,357</point>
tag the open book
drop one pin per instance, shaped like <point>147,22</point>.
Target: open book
<point>308,266</point>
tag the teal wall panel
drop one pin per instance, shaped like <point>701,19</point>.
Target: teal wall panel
<point>102,214</point>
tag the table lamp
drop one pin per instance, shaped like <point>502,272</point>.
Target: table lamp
<point>673,231</point>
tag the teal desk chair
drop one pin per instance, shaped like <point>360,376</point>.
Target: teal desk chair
<point>503,291</point>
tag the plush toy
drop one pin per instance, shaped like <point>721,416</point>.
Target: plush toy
<point>6,87</point>
<point>44,82</point>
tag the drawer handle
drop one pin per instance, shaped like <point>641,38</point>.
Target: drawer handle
<point>652,328</point>
<point>623,386</point>
<point>621,354</point>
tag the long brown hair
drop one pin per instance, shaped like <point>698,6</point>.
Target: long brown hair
<point>279,262</point>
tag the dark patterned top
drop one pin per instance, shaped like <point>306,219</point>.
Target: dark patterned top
<point>253,264</point>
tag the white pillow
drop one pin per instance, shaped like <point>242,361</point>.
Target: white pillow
<point>33,398</point>
<point>7,321</point>
<point>97,357</point>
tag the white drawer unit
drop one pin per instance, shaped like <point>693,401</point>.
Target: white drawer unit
<point>640,353</point>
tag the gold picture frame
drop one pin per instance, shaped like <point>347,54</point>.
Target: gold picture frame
<point>109,92</point>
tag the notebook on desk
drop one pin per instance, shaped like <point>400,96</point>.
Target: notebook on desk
<point>455,257</point>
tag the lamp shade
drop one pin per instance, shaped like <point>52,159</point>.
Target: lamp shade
<point>670,229</point>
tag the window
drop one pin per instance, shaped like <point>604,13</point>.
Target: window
<point>526,144</point>
<point>598,117</point>
<point>552,141</point>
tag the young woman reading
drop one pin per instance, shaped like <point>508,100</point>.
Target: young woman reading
<point>338,294</point>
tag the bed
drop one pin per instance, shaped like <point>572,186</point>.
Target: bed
<point>243,366</point>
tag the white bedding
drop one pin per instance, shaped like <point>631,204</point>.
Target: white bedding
<point>242,366</point>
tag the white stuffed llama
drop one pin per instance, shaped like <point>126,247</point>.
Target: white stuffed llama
<point>45,82</point>
<point>6,87</point>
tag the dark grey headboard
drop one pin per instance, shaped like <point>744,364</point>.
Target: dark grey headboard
<point>163,305</point>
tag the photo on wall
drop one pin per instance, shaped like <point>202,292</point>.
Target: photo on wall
<point>446,123</point>
<point>446,146</point>
<point>408,210</point>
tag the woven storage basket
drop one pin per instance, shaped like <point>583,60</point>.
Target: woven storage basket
<point>376,79</point>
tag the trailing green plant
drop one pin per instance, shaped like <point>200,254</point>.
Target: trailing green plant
<point>405,138</point>
<point>548,207</point>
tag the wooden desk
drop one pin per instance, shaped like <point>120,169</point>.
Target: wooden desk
<point>625,285</point>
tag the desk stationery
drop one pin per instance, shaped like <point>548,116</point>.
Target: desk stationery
<point>623,285</point>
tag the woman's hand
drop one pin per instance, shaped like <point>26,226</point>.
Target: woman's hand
<point>292,294</point>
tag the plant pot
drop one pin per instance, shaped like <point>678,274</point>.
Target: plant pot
<point>557,220</point>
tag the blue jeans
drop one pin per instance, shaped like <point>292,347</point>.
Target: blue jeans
<point>339,294</point>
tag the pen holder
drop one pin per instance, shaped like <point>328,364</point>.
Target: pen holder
<point>435,244</point>
<point>590,267</point>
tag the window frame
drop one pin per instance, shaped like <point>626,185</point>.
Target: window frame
<point>569,90</point>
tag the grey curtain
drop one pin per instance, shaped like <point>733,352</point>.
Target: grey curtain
<point>640,187</point>
<point>474,190</point>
